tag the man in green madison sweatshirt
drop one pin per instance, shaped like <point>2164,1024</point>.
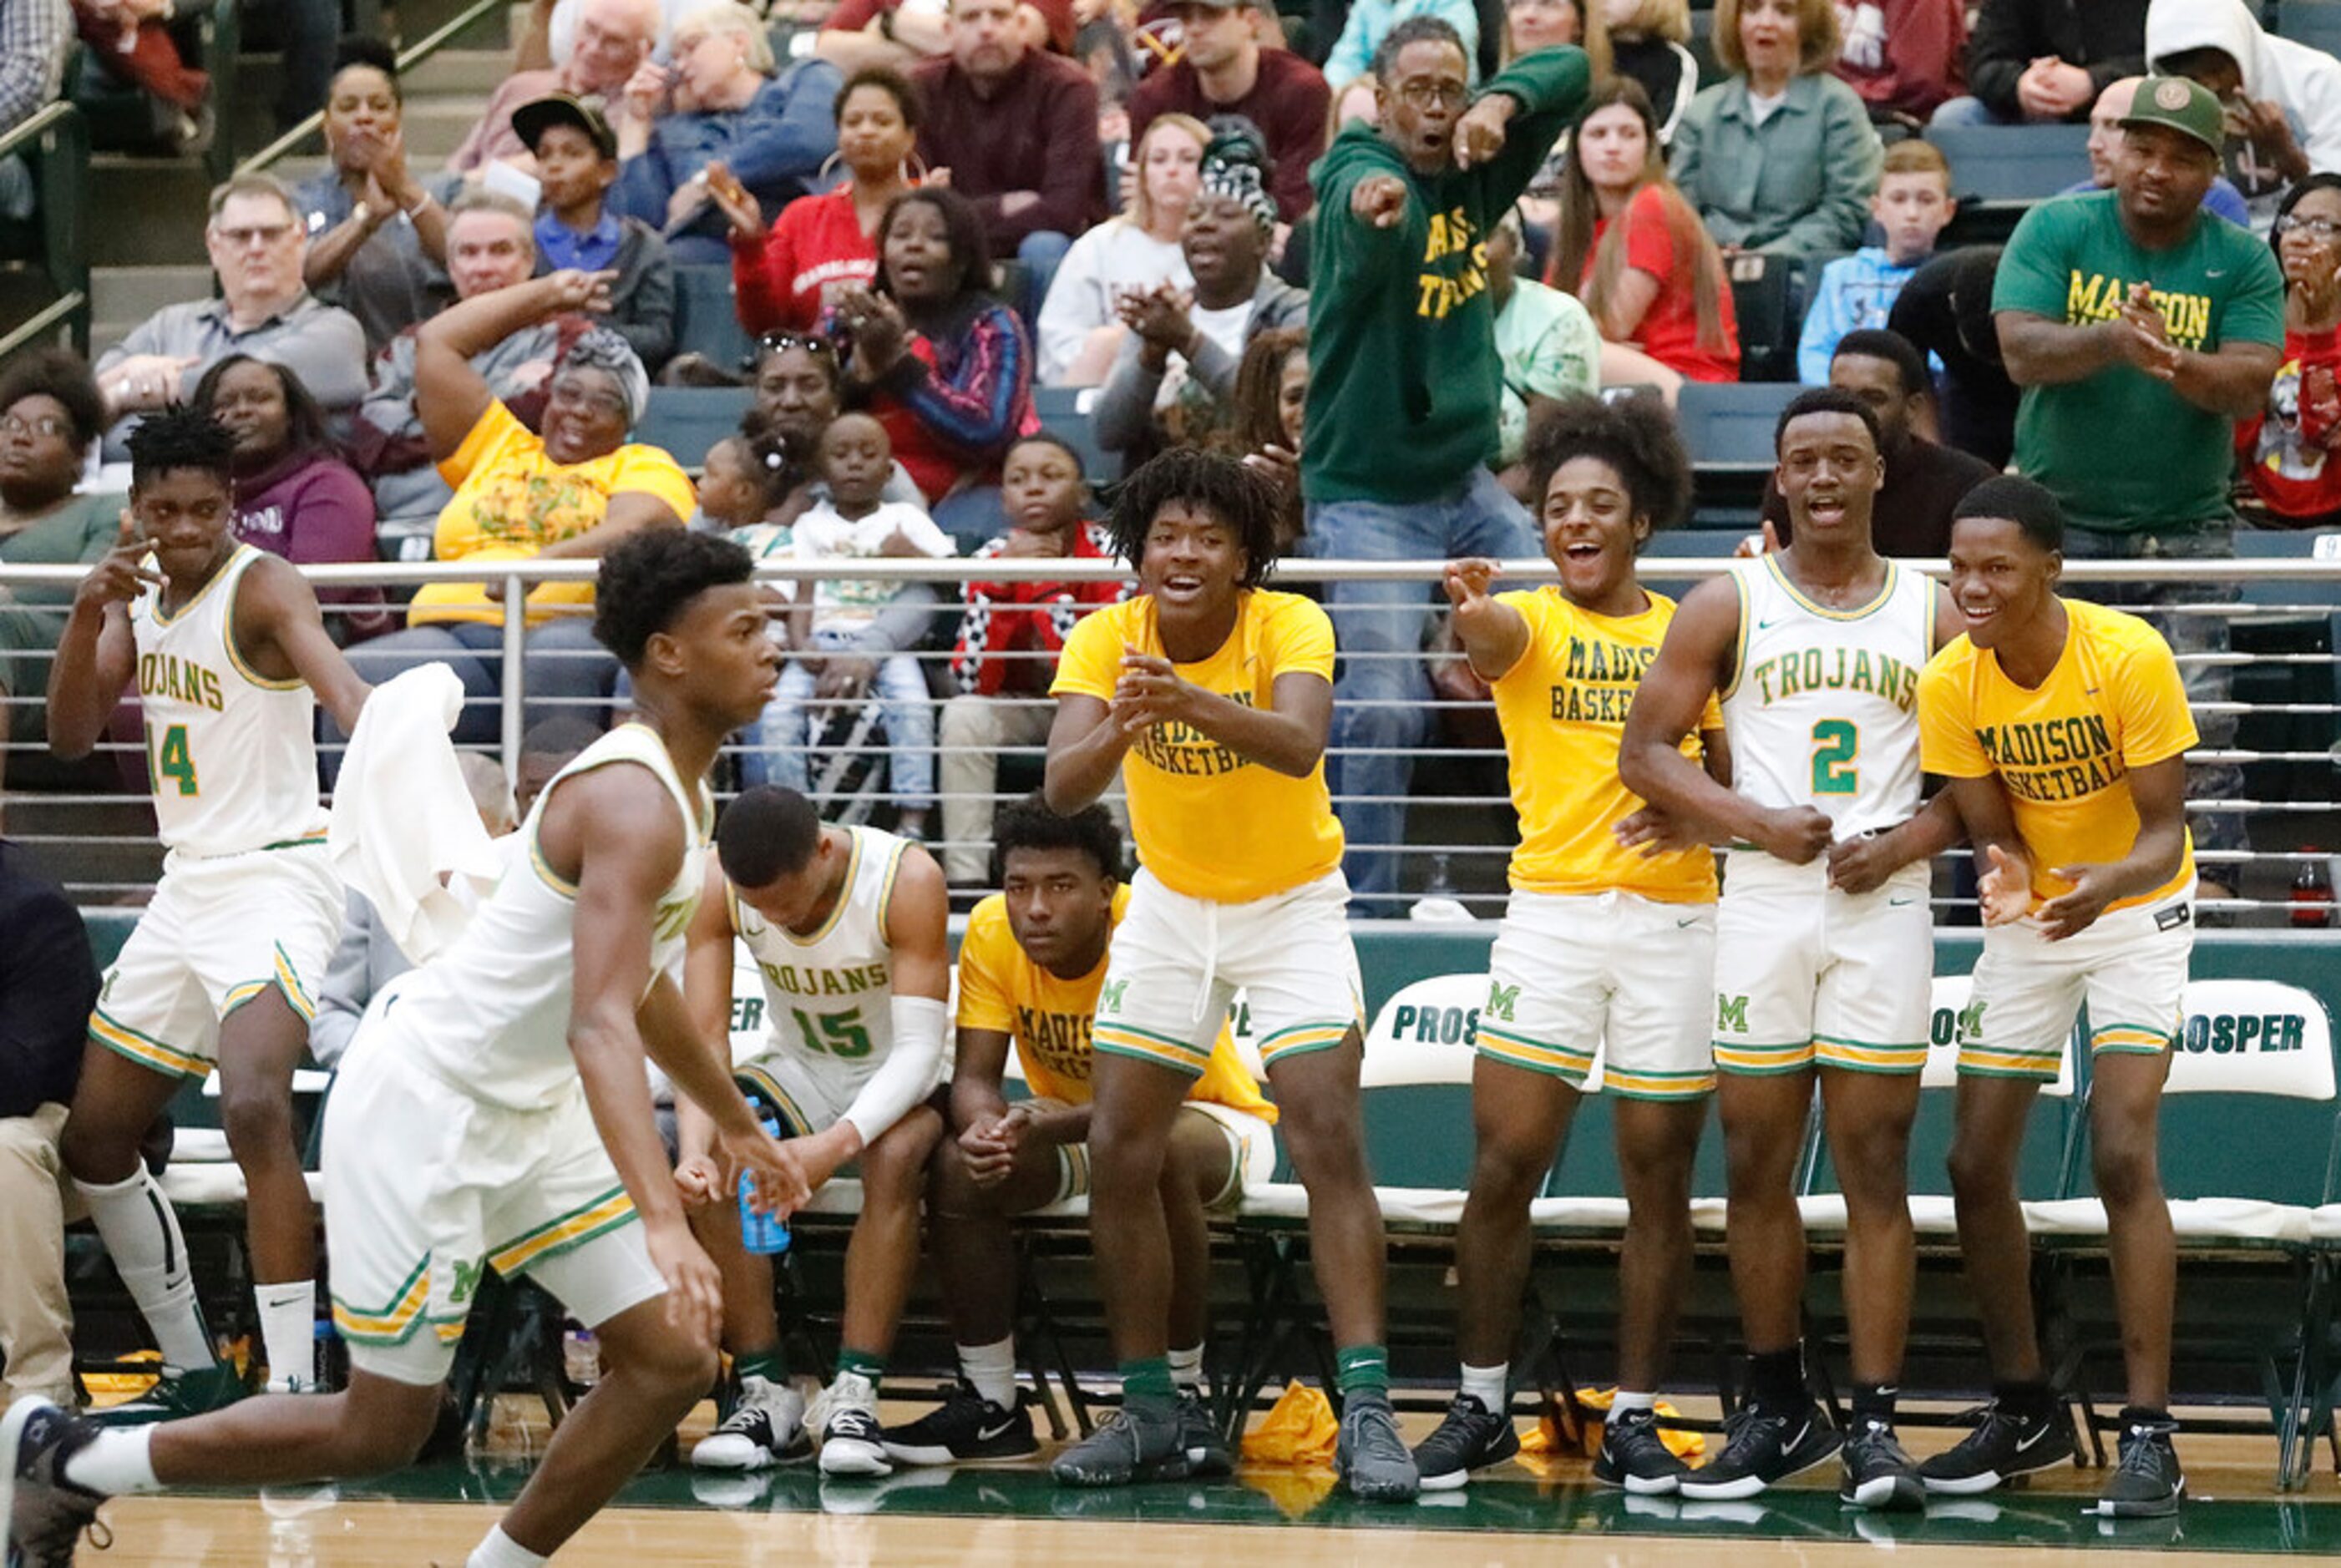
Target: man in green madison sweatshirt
<point>1404,383</point>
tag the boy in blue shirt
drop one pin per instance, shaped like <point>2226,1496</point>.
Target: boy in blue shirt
<point>1912,206</point>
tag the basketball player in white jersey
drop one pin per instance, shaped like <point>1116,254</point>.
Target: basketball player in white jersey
<point>495,1109</point>
<point>847,927</point>
<point>1824,943</point>
<point>230,659</point>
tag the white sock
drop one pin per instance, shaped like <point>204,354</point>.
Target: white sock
<point>288,1329</point>
<point>992,1368</point>
<point>501,1550</point>
<point>142,1235</point>
<point>116,1462</point>
<point>1626,1402</point>
<point>1488,1384</point>
<point>1187,1368</point>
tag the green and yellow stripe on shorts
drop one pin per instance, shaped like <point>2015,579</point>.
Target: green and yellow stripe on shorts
<point>1179,1056</point>
<point>1868,1056</point>
<point>1761,1061</point>
<point>1634,1085</point>
<point>393,1322</point>
<point>2005,1062</point>
<point>1515,1051</point>
<point>281,976</point>
<point>611,1211</point>
<point>1300,1039</point>
<point>2129,1039</point>
<point>145,1049</point>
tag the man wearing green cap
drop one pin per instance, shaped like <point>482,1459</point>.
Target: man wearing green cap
<point>2140,329</point>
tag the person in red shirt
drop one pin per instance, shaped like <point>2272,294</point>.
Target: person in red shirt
<point>782,280</point>
<point>1009,640</point>
<point>1225,69</point>
<point>1632,250</point>
<point>2287,448</point>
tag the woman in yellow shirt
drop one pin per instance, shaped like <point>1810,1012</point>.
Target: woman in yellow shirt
<point>568,494</point>
<point>1604,947</point>
<point>1211,695</point>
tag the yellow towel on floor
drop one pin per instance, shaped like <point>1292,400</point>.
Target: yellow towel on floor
<point>1299,1430</point>
<point>1544,1441</point>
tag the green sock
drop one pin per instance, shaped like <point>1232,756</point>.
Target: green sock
<point>1363,1369</point>
<point>861,1364</point>
<point>764,1363</point>
<point>1147,1382</point>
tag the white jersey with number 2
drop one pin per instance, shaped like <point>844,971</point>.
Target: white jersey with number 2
<point>1823,706</point>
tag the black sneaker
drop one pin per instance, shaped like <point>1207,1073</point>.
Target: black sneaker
<point>1760,1450</point>
<point>1470,1437</point>
<point>1370,1455</point>
<point>1136,1443</point>
<point>1635,1456</point>
<point>965,1429</point>
<point>2146,1482</point>
<point>45,1512</point>
<point>2003,1447</point>
<point>1877,1472</point>
<point>178,1394</point>
<point>1207,1449</point>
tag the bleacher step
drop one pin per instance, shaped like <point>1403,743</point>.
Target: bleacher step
<point>129,295</point>
<point>472,74</point>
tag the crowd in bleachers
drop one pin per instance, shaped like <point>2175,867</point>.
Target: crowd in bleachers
<point>972,221</point>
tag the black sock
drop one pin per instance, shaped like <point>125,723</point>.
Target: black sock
<point>1874,1402</point>
<point>1775,1380</point>
<point>2145,1415</point>
<point>2028,1401</point>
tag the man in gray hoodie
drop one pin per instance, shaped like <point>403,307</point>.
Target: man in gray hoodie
<point>2283,99</point>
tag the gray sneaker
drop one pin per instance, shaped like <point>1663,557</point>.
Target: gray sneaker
<point>45,1514</point>
<point>1137,1442</point>
<point>1371,1456</point>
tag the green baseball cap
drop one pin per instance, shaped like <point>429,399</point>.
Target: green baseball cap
<point>2182,105</point>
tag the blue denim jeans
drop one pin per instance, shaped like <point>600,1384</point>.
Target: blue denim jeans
<point>1039,254</point>
<point>776,748</point>
<point>2188,634</point>
<point>1382,685</point>
<point>1966,114</point>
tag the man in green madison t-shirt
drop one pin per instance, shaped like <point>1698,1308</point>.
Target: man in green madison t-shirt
<point>1404,383</point>
<point>2141,328</point>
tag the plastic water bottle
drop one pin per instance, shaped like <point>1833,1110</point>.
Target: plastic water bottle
<point>761,1233</point>
<point>581,1358</point>
<point>2312,891</point>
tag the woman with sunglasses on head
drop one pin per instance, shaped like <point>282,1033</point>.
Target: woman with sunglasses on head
<point>799,390</point>
<point>2287,448</point>
<point>944,365</point>
<point>782,276</point>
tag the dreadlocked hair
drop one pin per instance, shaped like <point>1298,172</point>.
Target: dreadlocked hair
<point>182,436</point>
<point>1208,482</point>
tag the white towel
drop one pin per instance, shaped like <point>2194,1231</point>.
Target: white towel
<point>404,829</point>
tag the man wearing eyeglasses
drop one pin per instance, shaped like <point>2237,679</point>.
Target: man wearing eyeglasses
<point>264,310</point>
<point>2137,324</point>
<point>1404,385</point>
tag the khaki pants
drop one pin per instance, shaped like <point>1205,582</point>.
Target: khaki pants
<point>35,1319</point>
<point>973,732</point>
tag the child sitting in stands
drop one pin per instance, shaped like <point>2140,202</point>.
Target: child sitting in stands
<point>1912,206</point>
<point>834,615</point>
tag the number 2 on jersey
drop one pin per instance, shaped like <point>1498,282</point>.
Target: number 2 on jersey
<point>170,761</point>
<point>839,1035</point>
<point>1835,743</point>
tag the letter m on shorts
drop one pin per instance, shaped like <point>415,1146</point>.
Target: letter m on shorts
<point>1501,1000</point>
<point>466,1283</point>
<point>1109,997</point>
<point>1730,1014</point>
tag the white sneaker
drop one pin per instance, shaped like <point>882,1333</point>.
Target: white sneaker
<point>293,1385</point>
<point>764,1429</point>
<point>852,1440</point>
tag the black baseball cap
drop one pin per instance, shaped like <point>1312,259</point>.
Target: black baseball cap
<point>538,115</point>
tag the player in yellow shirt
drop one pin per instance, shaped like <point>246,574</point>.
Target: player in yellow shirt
<point>1601,944</point>
<point>1029,971</point>
<point>1211,697</point>
<point>2063,728</point>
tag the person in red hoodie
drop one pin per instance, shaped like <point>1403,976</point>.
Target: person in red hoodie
<point>782,278</point>
<point>1902,56</point>
<point>2287,448</point>
<point>1009,640</point>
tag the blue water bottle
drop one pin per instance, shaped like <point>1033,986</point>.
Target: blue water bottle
<point>761,1233</point>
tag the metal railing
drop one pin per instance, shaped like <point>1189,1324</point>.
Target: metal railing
<point>1459,826</point>
<point>54,143</point>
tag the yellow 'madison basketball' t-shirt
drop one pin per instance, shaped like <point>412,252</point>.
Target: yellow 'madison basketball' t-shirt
<point>1048,1019</point>
<point>2063,750</point>
<point>1209,823</point>
<point>1563,710</point>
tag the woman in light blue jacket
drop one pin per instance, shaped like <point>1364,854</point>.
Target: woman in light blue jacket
<point>1782,156</point>
<point>1371,20</point>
